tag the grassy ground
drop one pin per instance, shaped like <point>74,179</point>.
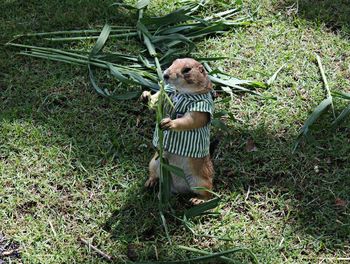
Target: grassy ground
<point>73,164</point>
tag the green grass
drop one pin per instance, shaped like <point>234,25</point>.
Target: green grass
<point>73,164</point>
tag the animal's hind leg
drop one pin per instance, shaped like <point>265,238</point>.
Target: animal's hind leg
<point>202,172</point>
<point>153,171</point>
<point>202,196</point>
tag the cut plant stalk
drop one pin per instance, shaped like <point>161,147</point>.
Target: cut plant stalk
<point>122,36</point>
<point>163,36</point>
<point>165,175</point>
<point>67,32</point>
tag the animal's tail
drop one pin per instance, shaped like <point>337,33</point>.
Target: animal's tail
<point>213,146</point>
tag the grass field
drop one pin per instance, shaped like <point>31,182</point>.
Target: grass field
<point>73,164</point>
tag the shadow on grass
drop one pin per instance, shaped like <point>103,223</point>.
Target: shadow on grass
<point>20,17</point>
<point>334,14</point>
<point>316,179</point>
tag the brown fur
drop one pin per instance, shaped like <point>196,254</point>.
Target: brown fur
<point>194,81</point>
<point>187,76</point>
<point>204,169</point>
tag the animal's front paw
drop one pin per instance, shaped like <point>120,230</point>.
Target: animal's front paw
<point>151,182</point>
<point>167,123</point>
<point>145,96</point>
<point>196,201</point>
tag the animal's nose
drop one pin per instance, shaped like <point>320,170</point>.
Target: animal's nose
<point>166,76</point>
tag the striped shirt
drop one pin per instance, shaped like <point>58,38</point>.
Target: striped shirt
<point>191,143</point>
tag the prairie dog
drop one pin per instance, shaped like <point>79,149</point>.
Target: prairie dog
<point>187,130</point>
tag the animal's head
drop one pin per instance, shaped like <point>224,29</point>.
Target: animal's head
<point>188,76</point>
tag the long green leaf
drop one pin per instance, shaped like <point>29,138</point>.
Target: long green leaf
<point>183,28</point>
<point>147,38</point>
<point>202,208</point>
<point>341,118</point>
<point>203,189</point>
<point>203,259</point>
<point>216,28</point>
<point>274,76</point>
<point>144,82</point>
<point>219,124</point>
<point>342,95</point>
<point>177,16</point>
<point>173,169</point>
<point>232,83</point>
<point>116,73</point>
<point>142,4</point>
<point>165,226</point>
<point>98,46</point>
<point>224,14</point>
<point>101,40</point>
<point>121,35</point>
<point>167,34</point>
<point>311,119</point>
<point>230,260</point>
<point>94,84</point>
<point>143,29</point>
<point>71,32</point>
<point>174,39</point>
<point>203,252</point>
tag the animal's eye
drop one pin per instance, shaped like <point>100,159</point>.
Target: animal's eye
<point>186,70</point>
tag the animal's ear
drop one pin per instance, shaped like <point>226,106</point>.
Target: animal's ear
<point>201,69</point>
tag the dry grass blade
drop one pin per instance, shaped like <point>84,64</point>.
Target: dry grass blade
<point>98,251</point>
<point>274,76</point>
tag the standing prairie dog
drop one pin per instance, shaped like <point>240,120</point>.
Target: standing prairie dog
<point>187,129</point>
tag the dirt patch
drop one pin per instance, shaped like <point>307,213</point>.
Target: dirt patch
<point>9,250</point>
